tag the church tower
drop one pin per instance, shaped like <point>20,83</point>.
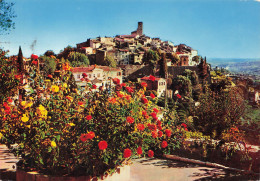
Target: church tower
<point>140,28</point>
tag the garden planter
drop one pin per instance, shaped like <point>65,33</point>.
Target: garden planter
<point>122,173</point>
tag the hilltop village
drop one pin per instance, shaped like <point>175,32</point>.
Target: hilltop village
<point>134,57</point>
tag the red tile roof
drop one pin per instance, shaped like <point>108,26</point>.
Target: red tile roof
<point>92,67</point>
<point>148,78</point>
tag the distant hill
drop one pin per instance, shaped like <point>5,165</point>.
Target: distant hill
<point>244,66</point>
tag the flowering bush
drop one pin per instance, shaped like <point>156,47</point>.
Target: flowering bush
<point>60,131</point>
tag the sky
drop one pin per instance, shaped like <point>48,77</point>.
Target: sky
<point>216,28</point>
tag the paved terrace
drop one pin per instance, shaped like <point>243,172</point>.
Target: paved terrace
<point>142,170</point>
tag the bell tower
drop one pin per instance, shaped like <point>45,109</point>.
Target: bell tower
<point>140,28</point>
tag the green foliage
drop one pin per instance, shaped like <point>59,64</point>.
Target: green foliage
<point>9,76</point>
<point>192,76</point>
<point>78,59</point>
<point>183,84</point>
<point>49,64</point>
<point>196,59</point>
<point>217,112</point>
<point>152,57</point>
<point>6,16</point>
<point>109,61</point>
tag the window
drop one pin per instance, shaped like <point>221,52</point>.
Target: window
<point>78,76</point>
<point>89,76</point>
<point>118,73</point>
<point>98,74</point>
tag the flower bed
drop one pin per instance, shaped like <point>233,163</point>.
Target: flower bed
<point>61,131</point>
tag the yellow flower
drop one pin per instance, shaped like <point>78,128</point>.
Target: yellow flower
<point>24,118</point>
<point>55,88</point>
<point>29,104</point>
<point>65,85</point>
<point>23,103</point>
<point>31,98</point>
<point>53,144</point>
<point>42,112</point>
<point>1,135</point>
<point>71,124</point>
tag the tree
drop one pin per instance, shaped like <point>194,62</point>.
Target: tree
<point>6,16</point>
<point>182,84</point>
<point>49,64</point>
<point>192,76</point>
<point>218,111</point>
<point>78,59</point>
<point>109,61</point>
<point>196,58</point>
<point>49,53</point>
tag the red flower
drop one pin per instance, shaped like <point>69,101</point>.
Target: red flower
<point>160,134</point>
<point>102,145</point>
<point>118,87</point>
<point>94,86</point>
<point>140,127</point>
<point>184,125</point>
<point>83,137</point>
<point>82,79</point>
<point>84,75</point>
<point>123,84</point>
<point>152,127</point>
<point>128,97</point>
<point>5,104</point>
<point>144,100</point>
<point>168,132</point>
<point>88,117</point>
<point>80,103</point>
<point>150,153</point>
<point>144,113</point>
<point>185,129</point>
<point>152,95</point>
<point>10,100</point>
<point>90,135</point>
<point>116,81</point>
<point>153,114</point>
<point>159,123</point>
<point>155,110</point>
<point>127,153</point>
<point>152,78</point>
<point>130,120</point>
<point>164,144</point>
<point>144,84</point>
<point>139,150</point>
<point>35,62</point>
<point>159,127</point>
<point>178,95</point>
<point>129,89</point>
<point>154,134</point>
<point>33,56</point>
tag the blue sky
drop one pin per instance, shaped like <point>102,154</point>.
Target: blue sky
<point>216,28</point>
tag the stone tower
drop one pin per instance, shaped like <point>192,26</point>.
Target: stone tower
<point>140,28</point>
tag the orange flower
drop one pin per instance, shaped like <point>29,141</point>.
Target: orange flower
<point>112,100</point>
<point>140,126</point>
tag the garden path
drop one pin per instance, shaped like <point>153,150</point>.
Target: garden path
<point>142,170</point>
